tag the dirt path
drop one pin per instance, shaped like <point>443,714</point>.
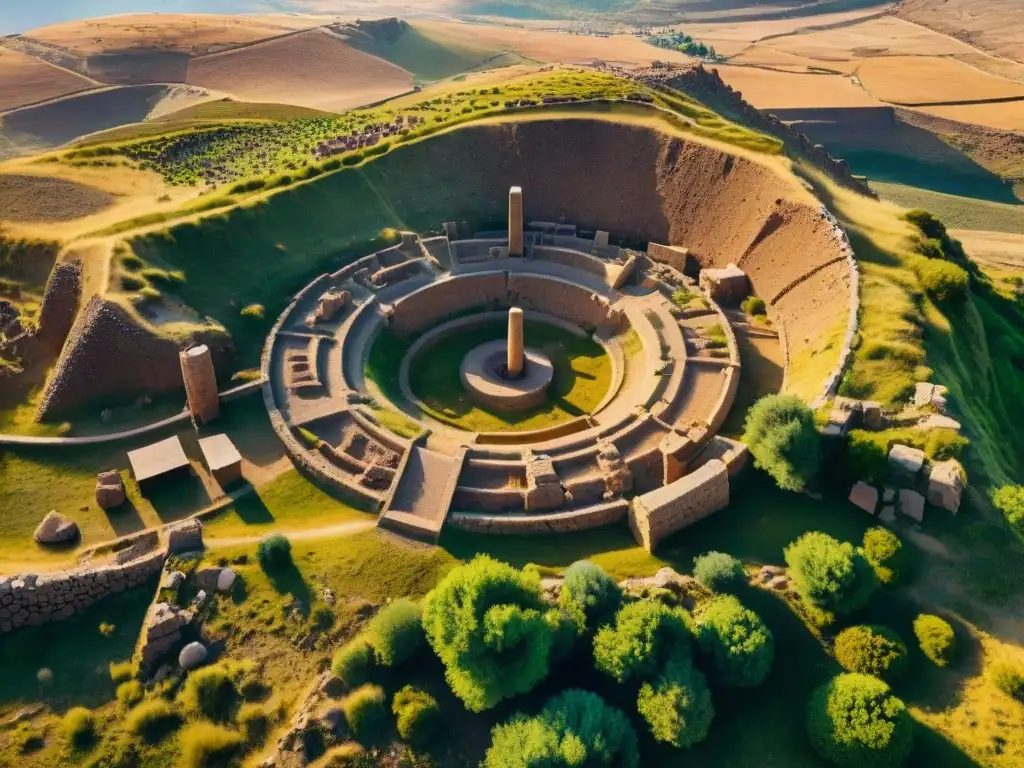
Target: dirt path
<point>337,530</point>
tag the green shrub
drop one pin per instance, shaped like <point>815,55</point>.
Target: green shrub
<point>753,305</point>
<point>783,440</point>
<point>871,650</point>
<point>575,728</point>
<point>564,634</point>
<point>396,632</point>
<point>936,638</point>
<point>719,571</point>
<point>120,671</point>
<point>254,311</point>
<point>829,575</point>
<point>354,662</point>
<point>79,727</point>
<point>132,283</point>
<point>646,637</point>
<point>1009,500</point>
<point>366,712</point>
<point>148,293</point>
<point>349,755</point>
<point>211,692</point>
<point>589,597</point>
<point>129,694</point>
<point>204,745</point>
<point>417,715</point>
<point>163,277</point>
<point>353,159</point>
<point>942,280</point>
<point>332,165</point>
<point>152,720</point>
<point>131,262</point>
<point>1008,677</point>
<point>854,720</point>
<point>884,551</point>
<point>252,719</point>
<point>741,647</point>
<point>485,621</point>
<point>274,553</point>
<point>678,707</point>
<point>321,618</point>
<point>930,226</point>
<point>865,457</point>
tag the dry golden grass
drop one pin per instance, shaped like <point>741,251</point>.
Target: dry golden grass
<point>312,69</point>
<point>1008,116</point>
<point>1003,249</point>
<point>767,89</point>
<point>182,33</point>
<point>26,80</point>
<point>993,25</point>
<point>885,36</point>
<point>763,55</point>
<point>927,80</point>
<point>751,31</point>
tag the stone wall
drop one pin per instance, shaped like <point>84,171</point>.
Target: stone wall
<point>109,356</point>
<point>426,307</point>
<point>562,299</point>
<point>31,600</point>
<point>666,510</point>
<point>554,522</point>
<point>60,304</point>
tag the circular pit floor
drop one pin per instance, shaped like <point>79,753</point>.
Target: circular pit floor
<point>481,374</point>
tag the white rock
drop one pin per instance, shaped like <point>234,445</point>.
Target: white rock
<point>192,656</point>
<point>903,458</point>
<point>225,580</point>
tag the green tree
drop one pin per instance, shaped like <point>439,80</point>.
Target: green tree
<point>854,720</point>
<point>396,632</point>
<point>485,621</point>
<point>646,637</point>
<point>590,597</point>
<point>718,571</point>
<point>783,440</point>
<point>677,707</point>
<point>417,715</point>
<point>884,551</point>
<point>1010,501</point>
<point>831,576</point>
<point>936,639</point>
<point>739,644</point>
<point>876,651</point>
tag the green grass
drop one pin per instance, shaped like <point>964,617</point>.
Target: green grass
<point>955,211</point>
<point>583,372</point>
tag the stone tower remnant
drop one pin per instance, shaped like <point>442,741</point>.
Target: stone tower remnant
<point>515,221</point>
<point>515,342</point>
<point>200,384</point>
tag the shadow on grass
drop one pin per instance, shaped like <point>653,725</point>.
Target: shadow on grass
<point>125,519</point>
<point>288,580</point>
<point>252,511</point>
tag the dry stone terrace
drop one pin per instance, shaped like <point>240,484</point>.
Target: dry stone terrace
<point>652,431</point>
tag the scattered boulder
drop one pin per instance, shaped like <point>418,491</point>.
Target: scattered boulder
<point>906,460</point>
<point>769,572</point>
<point>912,505</point>
<point>225,580</point>
<point>186,536</point>
<point>946,485</point>
<point>172,580</point>
<point>888,514</point>
<point>937,421</point>
<point>779,583</point>
<point>926,394</point>
<point>109,489</point>
<point>192,655</point>
<point>56,529</point>
<point>864,496</point>
<point>551,588</point>
<point>729,285</point>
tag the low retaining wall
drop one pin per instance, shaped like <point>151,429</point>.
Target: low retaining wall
<point>666,510</point>
<point>27,601</point>
<point>556,522</point>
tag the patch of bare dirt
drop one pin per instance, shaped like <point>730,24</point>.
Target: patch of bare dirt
<point>45,199</point>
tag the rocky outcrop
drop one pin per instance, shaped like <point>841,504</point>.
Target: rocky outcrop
<point>109,489</point>
<point>946,485</point>
<point>60,304</point>
<point>31,600</point>
<point>109,356</point>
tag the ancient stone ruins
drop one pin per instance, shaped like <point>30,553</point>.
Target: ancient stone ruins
<point>649,452</point>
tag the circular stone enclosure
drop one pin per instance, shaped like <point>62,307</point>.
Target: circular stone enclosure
<point>481,374</point>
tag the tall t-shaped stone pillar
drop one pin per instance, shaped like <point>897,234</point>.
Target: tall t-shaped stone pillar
<point>515,342</point>
<point>515,221</point>
<point>200,384</point>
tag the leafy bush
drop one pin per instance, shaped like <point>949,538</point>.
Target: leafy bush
<point>1010,501</point>
<point>132,283</point>
<point>152,720</point>
<point>830,575</point>
<point>485,621</point>
<point>163,277</point>
<point>1008,677</point>
<point>366,712</point>
<point>204,744</point>
<point>930,226</point>
<point>646,637</point>
<point>274,553</point>
<point>741,647</point>
<point>783,440</point>
<point>753,305</point>
<point>121,671</point>
<point>131,262</point>
<point>942,280</point>
<point>129,694</point>
<point>417,715</point>
<point>884,551</point>
<point>865,457</point>
<point>564,634</point>
<point>211,691</point>
<point>79,727</point>
<point>590,597</point>
<point>936,638</point>
<point>350,755</point>
<point>148,293</point>
<point>678,707</point>
<point>354,662</point>
<point>253,311</point>
<point>254,722</point>
<point>854,720</point>
<point>871,650</point>
<point>718,571</point>
<point>396,632</point>
<point>575,728</point>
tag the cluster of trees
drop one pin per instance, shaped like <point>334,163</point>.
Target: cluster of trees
<point>680,41</point>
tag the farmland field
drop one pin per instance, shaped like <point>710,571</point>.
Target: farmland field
<point>767,89</point>
<point>27,80</point>
<point>915,80</point>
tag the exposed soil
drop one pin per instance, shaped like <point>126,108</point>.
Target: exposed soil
<point>992,25</point>
<point>25,80</point>
<point>312,69</point>
<point>46,199</point>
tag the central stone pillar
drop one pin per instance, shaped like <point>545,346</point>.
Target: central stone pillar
<point>515,221</point>
<point>515,342</point>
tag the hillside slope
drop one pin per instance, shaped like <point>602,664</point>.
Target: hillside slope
<point>996,26</point>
